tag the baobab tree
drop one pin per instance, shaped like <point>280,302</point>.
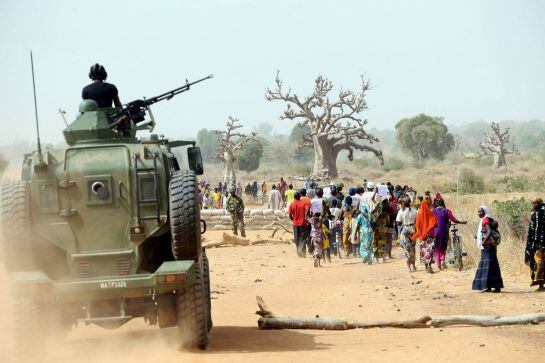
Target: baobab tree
<point>496,145</point>
<point>335,125</point>
<point>230,142</point>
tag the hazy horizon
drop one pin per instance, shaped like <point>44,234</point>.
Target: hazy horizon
<point>466,61</point>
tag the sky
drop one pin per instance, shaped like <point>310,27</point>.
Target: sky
<point>462,60</point>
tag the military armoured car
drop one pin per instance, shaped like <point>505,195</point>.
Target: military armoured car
<point>107,230</point>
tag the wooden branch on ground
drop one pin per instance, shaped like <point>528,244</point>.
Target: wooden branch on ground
<point>264,310</point>
<point>278,227</point>
<point>479,320</point>
<point>231,240</point>
<point>269,320</point>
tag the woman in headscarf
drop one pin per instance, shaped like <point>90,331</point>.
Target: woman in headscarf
<point>425,228</point>
<point>365,220</point>
<point>488,274</point>
<point>443,216</point>
<point>406,217</point>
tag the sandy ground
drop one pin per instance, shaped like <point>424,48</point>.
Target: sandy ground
<point>344,288</point>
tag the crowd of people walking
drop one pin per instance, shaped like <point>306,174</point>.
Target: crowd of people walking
<point>365,222</point>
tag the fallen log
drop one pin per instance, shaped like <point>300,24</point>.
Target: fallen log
<point>229,239</point>
<point>421,322</point>
<point>264,310</point>
<point>269,320</point>
<point>486,321</point>
<point>303,323</point>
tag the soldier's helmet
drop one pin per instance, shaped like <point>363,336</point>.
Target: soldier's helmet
<point>88,105</point>
<point>98,71</point>
<point>232,189</point>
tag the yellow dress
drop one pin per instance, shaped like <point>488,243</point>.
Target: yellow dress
<point>325,232</point>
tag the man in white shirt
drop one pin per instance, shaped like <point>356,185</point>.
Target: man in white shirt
<point>370,196</point>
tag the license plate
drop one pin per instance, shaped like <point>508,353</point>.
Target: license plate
<point>113,284</point>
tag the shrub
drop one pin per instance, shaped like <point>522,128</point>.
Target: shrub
<point>393,163</point>
<point>515,183</point>
<point>512,212</point>
<point>470,183</point>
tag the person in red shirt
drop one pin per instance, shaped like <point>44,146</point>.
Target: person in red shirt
<point>306,236</point>
<point>297,212</point>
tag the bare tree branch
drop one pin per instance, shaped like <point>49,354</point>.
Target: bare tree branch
<point>334,124</point>
<point>495,144</point>
<point>229,143</point>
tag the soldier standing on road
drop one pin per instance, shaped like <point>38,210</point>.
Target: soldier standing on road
<point>235,206</point>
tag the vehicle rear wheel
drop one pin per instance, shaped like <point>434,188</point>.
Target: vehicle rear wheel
<point>191,309</point>
<point>16,240</point>
<point>206,278</point>
<point>185,219</point>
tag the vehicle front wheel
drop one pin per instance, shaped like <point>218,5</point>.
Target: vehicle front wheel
<point>192,315</point>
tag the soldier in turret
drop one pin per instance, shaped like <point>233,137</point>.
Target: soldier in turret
<point>103,93</point>
<point>235,206</point>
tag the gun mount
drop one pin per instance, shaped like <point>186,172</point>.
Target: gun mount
<point>95,124</point>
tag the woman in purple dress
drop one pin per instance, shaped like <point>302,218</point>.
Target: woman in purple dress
<point>443,216</point>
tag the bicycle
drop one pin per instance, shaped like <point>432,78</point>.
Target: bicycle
<point>457,248</point>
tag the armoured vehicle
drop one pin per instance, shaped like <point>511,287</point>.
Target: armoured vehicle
<point>107,230</point>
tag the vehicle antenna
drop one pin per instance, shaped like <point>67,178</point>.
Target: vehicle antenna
<point>40,159</point>
<point>63,115</point>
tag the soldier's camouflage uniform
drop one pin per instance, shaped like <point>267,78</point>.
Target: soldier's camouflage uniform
<point>235,206</point>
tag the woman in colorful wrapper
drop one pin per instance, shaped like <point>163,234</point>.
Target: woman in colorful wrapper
<point>365,220</point>
<point>316,237</point>
<point>488,274</point>
<point>425,225</point>
<point>406,217</point>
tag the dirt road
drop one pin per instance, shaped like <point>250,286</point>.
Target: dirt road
<point>344,288</point>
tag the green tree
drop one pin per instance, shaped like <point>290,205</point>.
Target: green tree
<point>301,152</point>
<point>264,130</point>
<point>208,141</point>
<point>249,156</point>
<point>424,137</point>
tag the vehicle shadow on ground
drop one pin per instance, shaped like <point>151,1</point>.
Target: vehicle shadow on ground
<point>223,339</point>
<point>244,339</point>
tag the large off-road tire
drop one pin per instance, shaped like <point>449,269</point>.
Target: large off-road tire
<point>206,278</point>
<point>5,197</point>
<point>16,238</point>
<point>191,309</point>
<point>185,216</point>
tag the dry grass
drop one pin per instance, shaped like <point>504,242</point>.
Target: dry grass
<point>511,249</point>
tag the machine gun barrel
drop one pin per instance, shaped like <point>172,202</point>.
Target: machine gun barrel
<point>136,110</point>
<point>168,95</point>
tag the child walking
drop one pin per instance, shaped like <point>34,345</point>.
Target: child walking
<point>316,237</point>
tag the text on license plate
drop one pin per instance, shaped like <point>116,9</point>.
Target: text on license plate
<point>113,284</point>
